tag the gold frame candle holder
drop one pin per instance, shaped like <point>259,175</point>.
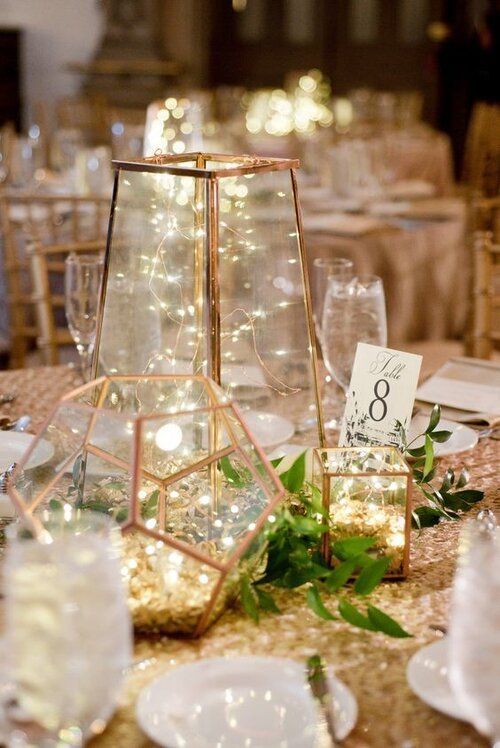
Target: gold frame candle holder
<point>367,492</point>
<point>205,273</point>
<point>171,460</point>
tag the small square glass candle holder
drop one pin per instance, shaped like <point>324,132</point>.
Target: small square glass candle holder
<point>172,461</point>
<point>367,493</point>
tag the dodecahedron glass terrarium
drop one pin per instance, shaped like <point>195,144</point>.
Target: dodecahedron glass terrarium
<point>170,458</point>
<point>367,492</point>
<point>205,274</point>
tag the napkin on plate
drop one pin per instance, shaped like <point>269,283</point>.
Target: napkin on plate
<point>467,388</point>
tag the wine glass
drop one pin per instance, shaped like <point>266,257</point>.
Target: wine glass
<point>474,636</point>
<point>323,269</point>
<point>83,276</point>
<point>68,629</point>
<point>354,312</point>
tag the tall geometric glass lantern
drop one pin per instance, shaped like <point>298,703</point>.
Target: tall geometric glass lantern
<point>205,274</point>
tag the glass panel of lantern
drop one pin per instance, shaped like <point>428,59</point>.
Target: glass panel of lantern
<point>367,493</point>
<point>169,458</point>
<point>205,274</point>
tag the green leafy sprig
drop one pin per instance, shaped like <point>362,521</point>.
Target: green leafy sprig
<point>294,560</point>
<point>447,498</point>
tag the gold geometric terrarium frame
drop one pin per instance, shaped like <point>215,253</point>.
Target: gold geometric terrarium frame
<point>207,222</point>
<point>226,435</point>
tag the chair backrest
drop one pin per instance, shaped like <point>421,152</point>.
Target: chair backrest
<point>49,220</point>
<point>484,312</point>
<point>47,266</point>
<point>482,150</point>
<point>7,137</point>
<point>85,113</point>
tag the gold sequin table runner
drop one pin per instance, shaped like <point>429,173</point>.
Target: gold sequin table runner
<point>371,664</point>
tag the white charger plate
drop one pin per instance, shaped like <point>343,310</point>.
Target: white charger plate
<point>427,676</point>
<point>462,437</point>
<point>237,702</point>
<point>13,445</point>
<point>269,429</point>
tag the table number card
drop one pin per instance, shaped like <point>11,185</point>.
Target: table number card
<point>382,391</point>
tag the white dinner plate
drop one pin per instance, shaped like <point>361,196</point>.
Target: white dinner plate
<point>13,445</point>
<point>462,437</point>
<point>262,702</point>
<point>269,429</point>
<point>427,675</point>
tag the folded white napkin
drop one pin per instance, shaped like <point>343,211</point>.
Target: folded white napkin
<point>468,388</point>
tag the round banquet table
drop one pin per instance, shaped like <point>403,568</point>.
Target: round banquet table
<point>373,665</point>
<point>424,266</point>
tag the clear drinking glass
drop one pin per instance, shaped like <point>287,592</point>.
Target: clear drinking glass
<point>474,636</point>
<point>323,269</point>
<point>22,162</point>
<point>354,312</point>
<point>93,171</point>
<point>83,277</point>
<point>68,629</point>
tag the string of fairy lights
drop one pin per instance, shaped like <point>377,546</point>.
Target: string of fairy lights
<point>178,218</point>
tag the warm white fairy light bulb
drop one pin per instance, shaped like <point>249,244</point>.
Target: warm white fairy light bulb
<point>168,437</point>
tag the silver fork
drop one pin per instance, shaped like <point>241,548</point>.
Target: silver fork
<point>318,682</point>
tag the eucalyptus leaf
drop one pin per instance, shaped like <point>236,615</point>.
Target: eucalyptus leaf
<point>341,574</point>
<point>277,461</point>
<point>232,475</point>
<point>440,436</point>
<point>266,601</point>
<point>416,451</point>
<point>121,514</point>
<point>353,615</point>
<point>309,526</point>
<point>249,598</point>
<point>349,547</point>
<point>386,624</point>
<point>316,604</point>
<point>448,479</point>
<point>372,575</point>
<point>293,478</point>
<point>293,578</point>
<point>463,478</point>
<point>425,516</point>
<point>434,419</point>
<point>429,455</point>
<point>77,470</point>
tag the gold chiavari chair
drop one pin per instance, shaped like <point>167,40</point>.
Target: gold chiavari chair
<point>481,170</point>
<point>85,113</point>
<point>47,264</point>
<point>26,220</point>
<point>484,314</point>
<point>7,136</point>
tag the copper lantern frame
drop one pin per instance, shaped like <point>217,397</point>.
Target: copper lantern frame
<point>321,460</point>
<point>207,186</point>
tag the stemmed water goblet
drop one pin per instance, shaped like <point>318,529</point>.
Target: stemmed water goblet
<point>474,632</point>
<point>354,312</point>
<point>83,277</point>
<point>323,269</point>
